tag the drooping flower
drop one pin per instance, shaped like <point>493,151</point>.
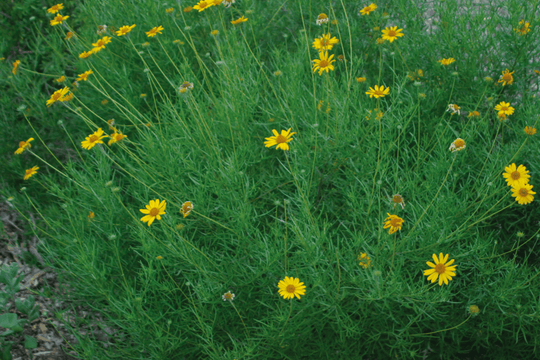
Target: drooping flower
<point>442,269</point>
<point>446,62</point>
<point>101,29</point>
<point>323,63</point>
<point>504,108</point>
<point>228,296</point>
<point>91,216</point>
<point>116,137</point>
<point>392,33</point>
<point>280,140</point>
<point>523,27</point>
<point>188,9</point>
<point>125,30</point>
<point>30,172</point>
<point>23,145</point>
<point>457,145</point>
<point>322,19</point>
<point>239,20</point>
<point>398,199</point>
<point>529,130</point>
<point>203,5</point>
<point>378,92</point>
<point>506,77</point>
<point>54,9</point>
<point>360,79</point>
<point>186,85</point>
<point>473,114</point>
<point>393,222</point>
<point>366,10</point>
<point>58,95</point>
<point>154,31</point>
<point>153,211</point>
<point>325,42</point>
<point>364,259</point>
<point>15,67</point>
<point>186,208</point>
<point>69,35</point>
<point>523,193</point>
<point>454,109</point>
<point>84,75</point>
<point>92,140</point>
<point>100,44</point>
<point>214,32</point>
<point>61,79</point>
<point>58,19</point>
<point>85,54</point>
<point>291,287</point>
<point>516,176</point>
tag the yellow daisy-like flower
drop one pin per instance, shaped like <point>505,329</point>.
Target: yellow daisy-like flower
<point>228,296</point>
<point>23,145</point>
<point>30,172</point>
<point>58,95</point>
<point>325,42</point>
<point>391,33</point>
<point>154,31</point>
<point>360,79</point>
<point>441,269</point>
<point>366,10</point>
<point>188,9</point>
<point>203,5</point>
<point>473,114</point>
<point>186,208</point>
<point>239,20</point>
<point>100,44</point>
<point>84,75</point>
<point>523,193</point>
<point>457,145</point>
<point>378,92</point>
<point>504,108</point>
<point>153,211</point>
<point>58,19</point>
<point>214,32</point>
<point>85,54</point>
<point>291,287</point>
<point>15,67</point>
<point>506,77</point>
<point>364,259</point>
<point>524,27</point>
<point>393,222</point>
<point>529,130</point>
<point>93,139</point>
<point>516,176</point>
<point>55,8</point>
<point>169,10</point>
<point>69,35</point>
<point>125,29</point>
<point>324,63</point>
<point>116,137</point>
<point>321,19</point>
<point>91,215</point>
<point>446,62</point>
<point>61,79</point>
<point>280,140</point>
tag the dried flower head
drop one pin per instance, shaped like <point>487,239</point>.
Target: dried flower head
<point>457,145</point>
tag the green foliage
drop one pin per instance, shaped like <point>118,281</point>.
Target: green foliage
<point>261,214</point>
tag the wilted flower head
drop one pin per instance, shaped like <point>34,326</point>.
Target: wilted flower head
<point>454,109</point>
<point>457,145</point>
<point>322,19</point>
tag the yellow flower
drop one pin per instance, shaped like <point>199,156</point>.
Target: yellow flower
<point>398,199</point>
<point>454,109</point>
<point>23,145</point>
<point>239,20</point>
<point>68,97</point>
<point>393,222</point>
<point>321,19</point>
<point>214,32</point>
<point>159,257</point>
<point>416,75</point>
<point>280,140</point>
<point>85,54</point>
<point>188,9</point>
<point>523,193</point>
<point>154,31</point>
<point>392,33</point>
<point>473,309</point>
<point>380,41</point>
<point>153,211</point>
<point>124,30</point>
<point>360,79</point>
<point>84,75</point>
<point>457,145</point>
<point>291,287</point>
<point>529,130</point>
<point>116,137</point>
<point>379,91</point>
<point>516,176</point>
<point>228,296</point>
<point>216,2</point>
<point>104,102</point>
<point>91,215</point>
<point>324,63</point>
<point>61,79</point>
<point>366,10</point>
<point>69,35</point>
<point>364,259</point>
<point>30,172</point>
<point>506,77</point>
<point>203,5</point>
<point>169,10</point>
<point>537,72</point>
<point>504,108</point>
<point>58,19</point>
<point>100,44</point>
<point>441,269</point>
<point>473,114</point>
<point>186,208</point>
<point>15,67</point>
<point>58,95</point>
<point>524,28</point>
<point>446,62</point>
<point>325,42</point>
<point>92,140</point>
<point>55,8</point>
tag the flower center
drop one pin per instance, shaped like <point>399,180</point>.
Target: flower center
<point>100,43</point>
<point>397,199</point>
<point>154,212</point>
<point>504,108</point>
<point>94,138</point>
<point>323,63</point>
<point>507,77</point>
<point>391,33</point>
<point>56,96</point>
<point>28,171</point>
<point>280,139</point>
<point>523,192</point>
<point>440,268</point>
<point>459,143</point>
<point>395,222</point>
<point>291,289</point>
<point>516,175</point>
